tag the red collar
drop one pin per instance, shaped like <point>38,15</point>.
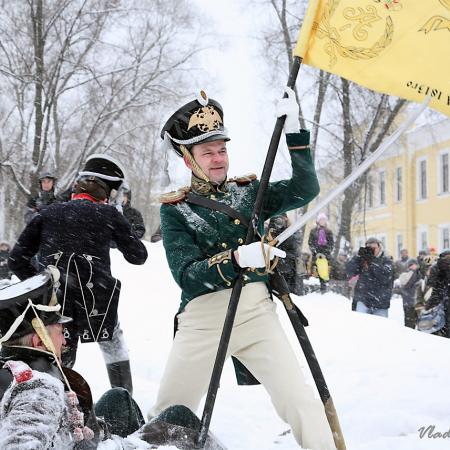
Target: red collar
<point>87,197</point>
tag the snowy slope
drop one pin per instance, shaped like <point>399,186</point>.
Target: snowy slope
<point>387,381</point>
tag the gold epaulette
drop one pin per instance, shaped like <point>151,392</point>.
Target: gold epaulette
<point>174,196</point>
<point>244,179</point>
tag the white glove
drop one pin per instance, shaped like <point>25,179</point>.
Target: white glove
<point>251,255</point>
<point>288,107</point>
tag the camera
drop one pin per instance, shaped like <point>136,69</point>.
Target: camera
<point>366,252</point>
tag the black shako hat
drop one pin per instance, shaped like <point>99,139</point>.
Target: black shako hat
<point>104,170</point>
<point>198,121</point>
<point>20,302</point>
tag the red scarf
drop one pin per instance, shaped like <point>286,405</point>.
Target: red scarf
<point>83,196</point>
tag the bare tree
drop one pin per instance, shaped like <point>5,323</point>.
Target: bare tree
<point>85,76</point>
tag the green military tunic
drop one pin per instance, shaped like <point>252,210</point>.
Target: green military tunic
<point>199,241</point>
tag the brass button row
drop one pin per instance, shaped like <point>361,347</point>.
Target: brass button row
<point>225,245</point>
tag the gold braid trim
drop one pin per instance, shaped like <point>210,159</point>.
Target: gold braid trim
<point>198,171</point>
<point>221,258</point>
<point>227,282</point>
<point>270,265</point>
<point>44,336</point>
<point>42,332</point>
<point>298,147</point>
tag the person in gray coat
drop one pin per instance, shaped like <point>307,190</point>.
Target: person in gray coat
<point>408,290</point>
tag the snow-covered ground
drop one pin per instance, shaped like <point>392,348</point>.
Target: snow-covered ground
<point>387,381</point>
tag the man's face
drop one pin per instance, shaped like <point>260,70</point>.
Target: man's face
<point>4,248</point>
<point>47,184</point>
<point>322,221</point>
<point>212,157</point>
<point>404,253</point>
<point>376,248</point>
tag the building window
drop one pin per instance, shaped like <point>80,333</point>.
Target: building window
<point>422,179</point>
<point>422,239</point>
<point>444,173</point>
<point>398,184</point>
<point>382,187</point>
<point>445,238</point>
<point>399,244</point>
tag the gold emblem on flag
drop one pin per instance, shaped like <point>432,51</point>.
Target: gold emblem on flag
<point>205,119</point>
<point>361,20</point>
<point>437,23</point>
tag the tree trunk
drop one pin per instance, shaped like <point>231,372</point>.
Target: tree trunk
<point>38,44</point>
<point>348,149</point>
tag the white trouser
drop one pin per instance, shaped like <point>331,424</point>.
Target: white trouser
<point>260,343</point>
<point>116,349</point>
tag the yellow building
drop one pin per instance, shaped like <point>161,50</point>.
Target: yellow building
<point>408,194</point>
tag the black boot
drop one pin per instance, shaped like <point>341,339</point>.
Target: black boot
<point>119,374</point>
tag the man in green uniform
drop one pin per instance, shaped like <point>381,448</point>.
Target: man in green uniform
<point>205,251</point>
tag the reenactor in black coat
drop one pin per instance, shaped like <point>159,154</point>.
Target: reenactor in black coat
<point>438,303</point>
<point>133,215</point>
<point>288,266</point>
<point>75,237</point>
<point>45,197</point>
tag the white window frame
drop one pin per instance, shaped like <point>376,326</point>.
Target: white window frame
<point>420,230</point>
<point>382,174</point>
<point>398,184</point>
<point>443,245</point>
<point>440,177</point>
<point>419,192</point>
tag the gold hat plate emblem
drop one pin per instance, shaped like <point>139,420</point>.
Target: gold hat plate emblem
<point>205,119</point>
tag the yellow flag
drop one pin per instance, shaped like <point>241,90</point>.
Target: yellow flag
<point>398,47</point>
